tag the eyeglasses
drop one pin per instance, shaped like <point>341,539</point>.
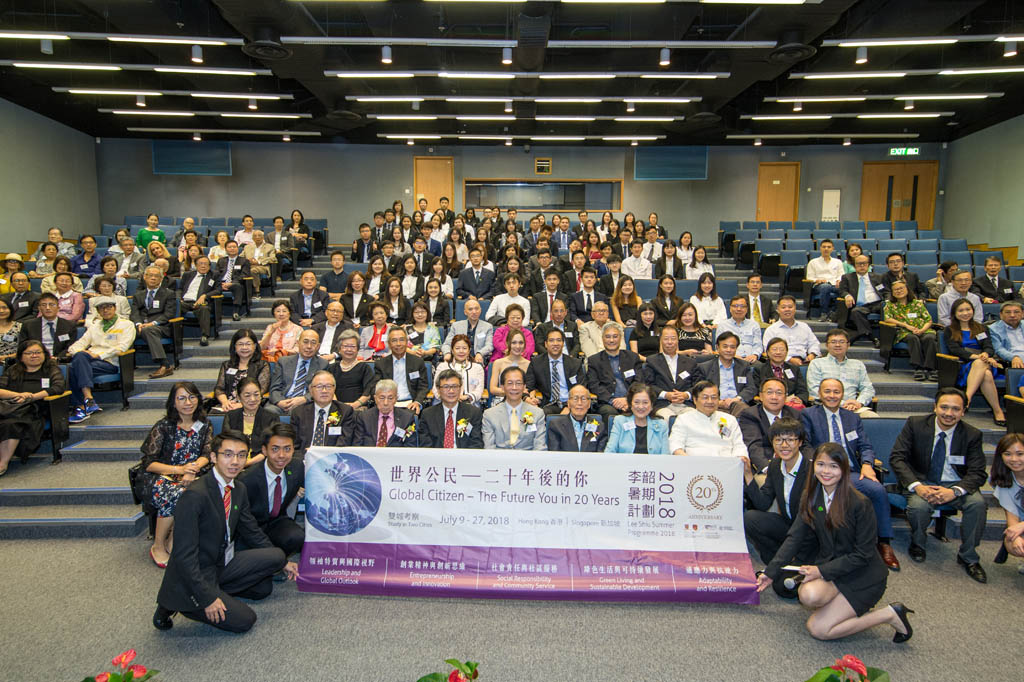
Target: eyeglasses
<point>228,454</point>
<point>188,398</point>
<point>322,387</point>
<point>451,387</point>
<point>785,440</point>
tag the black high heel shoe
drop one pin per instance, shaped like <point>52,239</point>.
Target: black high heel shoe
<point>902,611</point>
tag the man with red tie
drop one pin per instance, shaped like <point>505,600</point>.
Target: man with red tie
<point>275,484</point>
<point>451,424</point>
<point>205,574</point>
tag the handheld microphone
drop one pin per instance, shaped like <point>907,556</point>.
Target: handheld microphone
<point>793,582</point>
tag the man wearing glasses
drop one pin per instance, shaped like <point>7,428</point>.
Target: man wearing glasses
<point>95,354</point>
<point>205,575</point>
<point>451,424</point>
<point>325,421</point>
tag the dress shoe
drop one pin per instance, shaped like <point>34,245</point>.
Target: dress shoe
<point>933,375</point>
<point>236,317</point>
<point>161,373</point>
<point>159,564</point>
<point>902,612</point>
<point>917,553</point>
<point>888,556</point>
<point>162,618</point>
<point>974,570</point>
<point>204,340</point>
<point>999,422</point>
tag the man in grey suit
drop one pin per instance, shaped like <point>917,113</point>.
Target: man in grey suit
<point>514,424</point>
<point>290,376</point>
<point>480,333</point>
<point>130,262</point>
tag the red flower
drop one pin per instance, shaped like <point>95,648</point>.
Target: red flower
<point>124,658</point>
<point>139,671</point>
<point>102,677</point>
<point>850,662</point>
<point>456,676</point>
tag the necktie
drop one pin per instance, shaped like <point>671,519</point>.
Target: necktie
<point>476,275</point>
<point>149,299</point>
<point>837,436</point>
<point>579,281</point>
<point>318,432</point>
<point>757,311</point>
<point>551,302</point>
<point>227,504</point>
<point>53,336</point>
<point>513,428</point>
<point>449,432</point>
<point>300,376</point>
<point>276,508</point>
<point>382,435</point>
<point>938,459</point>
<point>650,254</point>
<point>589,303</point>
<point>556,380</point>
<point>862,291</point>
<point>995,284</point>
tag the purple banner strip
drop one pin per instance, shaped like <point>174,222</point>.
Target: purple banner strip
<point>521,573</point>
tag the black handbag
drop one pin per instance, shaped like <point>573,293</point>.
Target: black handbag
<point>137,482</point>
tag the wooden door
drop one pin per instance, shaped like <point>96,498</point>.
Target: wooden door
<point>433,178</point>
<point>899,190</point>
<point>778,191</point>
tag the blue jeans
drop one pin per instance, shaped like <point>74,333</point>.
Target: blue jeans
<point>875,492</point>
<point>81,372</point>
<point>826,295</point>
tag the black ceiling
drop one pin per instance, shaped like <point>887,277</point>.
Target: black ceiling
<point>796,33</point>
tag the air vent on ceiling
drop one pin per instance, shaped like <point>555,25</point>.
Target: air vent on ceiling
<point>266,45</point>
<point>790,53</point>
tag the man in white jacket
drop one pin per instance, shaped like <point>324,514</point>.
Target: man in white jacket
<point>706,431</point>
<point>105,339</point>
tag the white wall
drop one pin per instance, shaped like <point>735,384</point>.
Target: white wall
<point>47,177</point>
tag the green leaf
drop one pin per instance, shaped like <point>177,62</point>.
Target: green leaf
<point>453,662</point>
<point>472,665</point>
<point>877,675</point>
<point>826,675</point>
<point>432,677</point>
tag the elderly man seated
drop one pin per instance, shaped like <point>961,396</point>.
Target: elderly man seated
<point>706,431</point>
<point>105,339</point>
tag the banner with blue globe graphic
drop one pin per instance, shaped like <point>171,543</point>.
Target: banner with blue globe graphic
<point>509,524</point>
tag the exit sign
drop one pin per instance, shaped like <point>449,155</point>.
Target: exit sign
<point>904,151</point>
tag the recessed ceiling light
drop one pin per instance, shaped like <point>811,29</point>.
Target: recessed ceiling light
<point>797,100</point>
<point>74,67</point>
<point>204,71</point>
<point>389,99</point>
<point>645,119</point>
<point>981,71</point>
<point>476,74</point>
<point>234,115</point>
<point>575,76</point>
<point>15,35</point>
<point>137,93</point>
<point>486,138</point>
<point>235,95</point>
<point>403,117</point>
<point>151,112</point>
<point>496,117</point>
<point>164,40</point>
<point>897,42</point>
<point>557,138</point>
<point>681,76</point>
<point>373,74</point>
<point>918,115</point>
<point>628,138</point>
<point>567,100</point>
<point>413,137</point>
<point>793,117</point>
<point>476,99</point>
<point>913,97</point>
<point>849,74</point>
<point>658,100</point>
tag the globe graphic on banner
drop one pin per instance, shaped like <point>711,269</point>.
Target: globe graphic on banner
<point>342,495</point>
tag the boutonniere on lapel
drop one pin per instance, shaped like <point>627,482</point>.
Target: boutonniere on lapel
<point>333,419</point>
<point>409,430</point>
<point>461,427</point>
<point>591,427</point>
<point>723,427</point>
<point>528,418</point>
<point>820,508</point>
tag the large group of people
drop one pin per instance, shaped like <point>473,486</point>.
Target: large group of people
<point>554,350</point>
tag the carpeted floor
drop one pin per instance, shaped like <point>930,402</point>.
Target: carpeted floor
<point>68,606</point>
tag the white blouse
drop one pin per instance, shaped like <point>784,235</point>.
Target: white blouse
<point>695,271</point>
<point>710,309</point>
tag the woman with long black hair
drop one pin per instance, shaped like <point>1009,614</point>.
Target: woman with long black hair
<point>848,575</point>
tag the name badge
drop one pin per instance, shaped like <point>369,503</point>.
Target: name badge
<point>741,380</point>
<point>788,373</point>
<point>982,336</point>
<point>912,316</point>
<point>22,304</point>
<point>629,426</point>
<point>229,553</point>
<point>156,305</point>
<point>530,428</point>
<point>880,287</point>
<point>45,383</point>
<point>356,319</point>
<point>726,431</point>
<point>469,429</point>
<point>956,459</point>
<point>1008,291</point>
<point>317,304</point>
<point>333,430</point>
<point>629,374</point>
<point>113,337</point>
<point>568,335</point>
<point>684,374</point>
<point>851,435</point>
<point>481,335</point>
<point>64,337</point>
<point>414,375</point>
<point>209,283</point>
<point>231,370</point>
<point>572,379</point>
<point>238,267</point>
<point>399,432</point>
<point>590,427</point>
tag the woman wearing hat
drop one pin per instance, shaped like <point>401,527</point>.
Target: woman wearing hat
<point>12,263</point>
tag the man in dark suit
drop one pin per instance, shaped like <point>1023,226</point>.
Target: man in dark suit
<point>582,302</point>
<point>536,281</point>
<point>196,288</point>
<point>569,329</point>
<point>274,484</point>
<point>232,270</point>
<point>552,374</point>
<point>829,422</point>
<point>385,425</point>
<point>783,485</point>
<point>451,424</point>
<point>670,375</point>
<point>364,248</point>
<point>611,371</point>
<point>205,574</point>
<point>991,287</point>
<point>475,282</point>
<point>309,303</point>
<point>756,421</point>
<point>939,461</point>
<point>23,301</point>
<point>577,431</point>
<point>330,331</point>
<point>54,332</point>
<point>863,293</point>
<point>283,243</point>
<point>732,376</point>
<point>324,421</point>
<point>572,277</point>
<point>540,302</point>
<point>291,376</point>
<point>758,305</point>
<point>408,371</point>
<point>897,273</point>
<point>153,306</point>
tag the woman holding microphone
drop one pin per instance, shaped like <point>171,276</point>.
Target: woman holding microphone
<point>848,576</point>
